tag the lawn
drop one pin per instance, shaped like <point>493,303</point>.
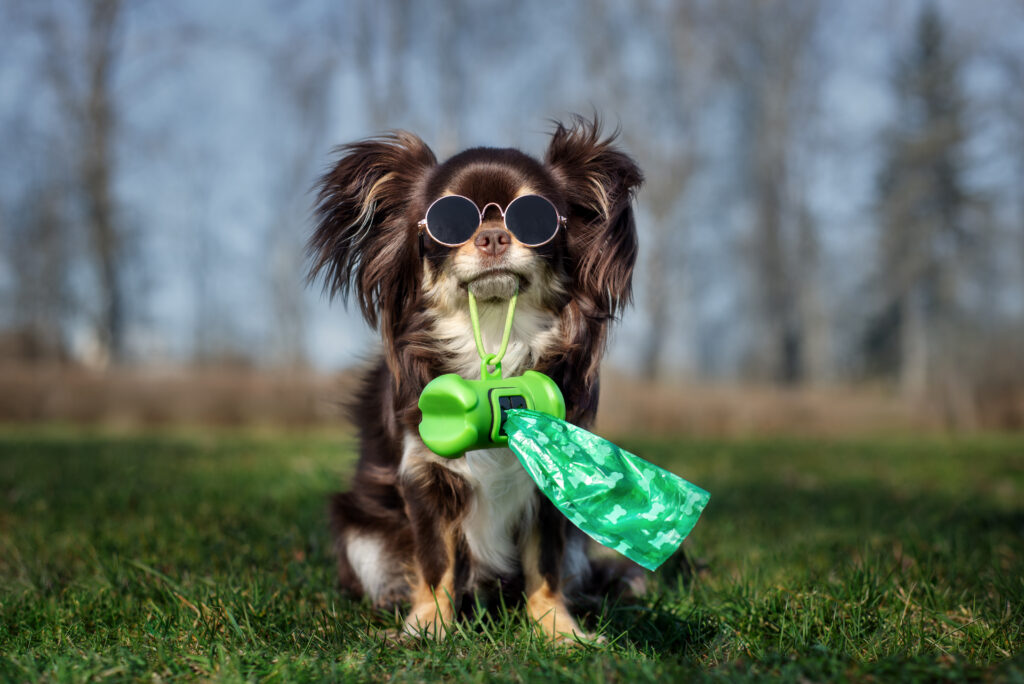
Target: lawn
<point>195,555</point>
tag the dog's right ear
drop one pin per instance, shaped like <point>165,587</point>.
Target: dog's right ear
<point>599,181</point>
<point>364,239</point>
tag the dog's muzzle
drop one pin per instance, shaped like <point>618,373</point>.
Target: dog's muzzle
<point>496,285</point>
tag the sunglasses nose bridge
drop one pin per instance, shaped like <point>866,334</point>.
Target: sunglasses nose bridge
<point>483,211</point>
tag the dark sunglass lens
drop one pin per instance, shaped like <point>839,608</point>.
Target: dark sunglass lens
<point>532,219</point>
<point>452,220</point>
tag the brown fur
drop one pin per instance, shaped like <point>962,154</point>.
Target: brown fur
<point>367,242</point>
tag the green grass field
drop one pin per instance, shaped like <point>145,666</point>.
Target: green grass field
<point>205,556</point>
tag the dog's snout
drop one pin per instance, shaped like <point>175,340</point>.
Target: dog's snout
<point>493,241</point>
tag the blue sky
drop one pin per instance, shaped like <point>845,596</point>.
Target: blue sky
<point>209,142</point>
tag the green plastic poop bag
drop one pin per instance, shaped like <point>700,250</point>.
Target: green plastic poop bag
<point>625,503</point>
<point>622,501</point>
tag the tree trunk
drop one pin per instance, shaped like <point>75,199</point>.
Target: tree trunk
<point>914,350</point>
<point>656,301</point>
<point>812,308</point>
<point>98,173</point>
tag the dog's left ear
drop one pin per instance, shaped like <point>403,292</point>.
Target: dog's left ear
<point>599,181</point>
<point>365,240</point>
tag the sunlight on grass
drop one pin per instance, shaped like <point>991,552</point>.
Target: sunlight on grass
<point>206,555</point>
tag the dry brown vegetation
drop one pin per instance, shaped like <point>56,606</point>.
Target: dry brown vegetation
<point>226,396</point>
<point>169,396</point>
<point>722,410</point>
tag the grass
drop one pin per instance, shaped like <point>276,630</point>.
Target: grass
<point>205,556</point>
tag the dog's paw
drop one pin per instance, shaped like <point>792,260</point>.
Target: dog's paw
<point>548,611</point>
<point>579,639</point>
<point>558,626</point>
<point>393,637</point>
<point>426,623</point>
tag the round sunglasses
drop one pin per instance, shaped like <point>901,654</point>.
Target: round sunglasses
<point>453,219</point>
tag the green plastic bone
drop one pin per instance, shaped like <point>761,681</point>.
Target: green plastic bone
<point>460,415</point>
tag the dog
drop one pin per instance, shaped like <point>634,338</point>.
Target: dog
<point>431,531</point>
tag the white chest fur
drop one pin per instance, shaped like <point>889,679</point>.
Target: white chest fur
<point>503,499</point>
<point>503,493</point>
<point>533,331</point>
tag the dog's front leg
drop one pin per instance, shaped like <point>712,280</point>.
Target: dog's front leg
<point>435,501</point>
<point>542,567</point>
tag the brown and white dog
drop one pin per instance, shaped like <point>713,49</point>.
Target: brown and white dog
<point>414,526</point>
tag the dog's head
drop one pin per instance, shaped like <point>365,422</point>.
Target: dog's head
<point>372,239</point>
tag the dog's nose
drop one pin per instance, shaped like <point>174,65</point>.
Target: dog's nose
<point>493,241</point>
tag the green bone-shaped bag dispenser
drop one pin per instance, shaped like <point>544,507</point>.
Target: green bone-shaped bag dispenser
<point>619,499</point>
<point>460,415</point>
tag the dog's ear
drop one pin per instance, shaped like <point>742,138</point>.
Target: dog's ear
<point>365,239</point>
<point>599,181</point>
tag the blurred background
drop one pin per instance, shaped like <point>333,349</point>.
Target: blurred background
<point>832,228</point>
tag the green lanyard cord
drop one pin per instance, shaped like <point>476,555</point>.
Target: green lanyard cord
<point>485,358</point>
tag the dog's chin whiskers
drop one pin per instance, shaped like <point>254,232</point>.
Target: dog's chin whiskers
<point>500,285</point>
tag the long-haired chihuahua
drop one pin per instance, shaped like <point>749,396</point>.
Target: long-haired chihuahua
<point>410,237</point>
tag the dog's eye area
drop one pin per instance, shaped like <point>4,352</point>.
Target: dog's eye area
<point>532,219</point>
<point>452,220</point>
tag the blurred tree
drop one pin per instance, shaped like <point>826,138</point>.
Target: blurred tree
<point>769,56</point>
<point>454,27</point>
<point>1011,103</point>
<point>80,69</point>
<point>381,38</point>
<point>39,256</point>
<point>36,246</point>
<point>925,234</point>
<point>303,78</point>
<point>683,80</point>
<point>668,96</point>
